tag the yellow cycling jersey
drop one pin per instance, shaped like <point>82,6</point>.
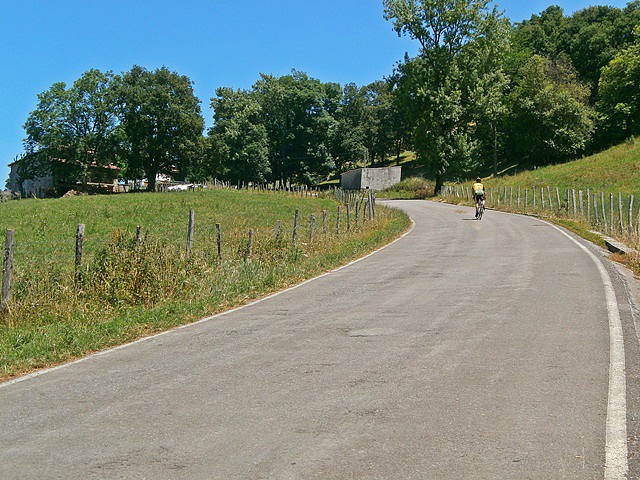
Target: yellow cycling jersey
<point>478,189</point>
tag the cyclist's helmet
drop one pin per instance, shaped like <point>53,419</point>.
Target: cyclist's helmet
<point>479,180</point>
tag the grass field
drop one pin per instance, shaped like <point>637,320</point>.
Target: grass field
<point>127,289</point>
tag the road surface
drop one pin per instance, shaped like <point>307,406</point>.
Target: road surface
<point>465,350</point>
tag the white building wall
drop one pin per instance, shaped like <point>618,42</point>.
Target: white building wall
<point>36,187</point>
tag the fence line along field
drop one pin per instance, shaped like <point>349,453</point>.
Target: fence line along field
<point>594,196</point>
<point>95,271</point>
<point>612,214</point>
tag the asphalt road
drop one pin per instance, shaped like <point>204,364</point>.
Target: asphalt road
<point>465,350</point>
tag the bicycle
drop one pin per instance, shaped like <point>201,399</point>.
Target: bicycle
<point>480,210</point>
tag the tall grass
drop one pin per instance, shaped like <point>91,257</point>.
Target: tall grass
<point>127,288</point>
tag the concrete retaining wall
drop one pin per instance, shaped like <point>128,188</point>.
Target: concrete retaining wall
<point>370,178</point>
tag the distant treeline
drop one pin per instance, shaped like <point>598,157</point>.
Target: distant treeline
<point>482,93</point>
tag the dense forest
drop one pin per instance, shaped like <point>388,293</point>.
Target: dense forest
<point>481,94</point>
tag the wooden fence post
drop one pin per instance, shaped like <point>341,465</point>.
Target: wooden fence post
<point>620,209</point>
<point>295,227</point>
<point>558,198</point>
<point>588,206</point>
<point>612,223</point>
<point>575,204</point>
<point>79,242</point>
<point>276,230</point>
<point>638,226</point>
<point>580,195</point>
<point>526,198</point>
<point>190,231</point>
<point>631,198</point>
<point>250,244</point>
<point>518,196</point>
<point>373,203</point>
<point>7,270</point>
<point>312,223</point>
<point>604,212</point>
<point>219,241</point>
<point>338,220</point>
<point>542,197</point>
<point>348,218</point>
<point>324,221</point>
<point>370,205</point>
<point>595,209</point>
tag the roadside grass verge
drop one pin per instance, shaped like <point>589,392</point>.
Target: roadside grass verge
<point>127,288</point>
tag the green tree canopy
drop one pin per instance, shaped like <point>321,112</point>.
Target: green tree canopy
<point>242,139</point>
<point>72,129</point>
<point>161,119</point>
<point>551,119</point>
<point>620,94</point>
<point>385,130</point>
<point>348,133</point>
<point>436,88</point>
<point>542,34</point>
<point>298,113</point>
<point>590,38</point>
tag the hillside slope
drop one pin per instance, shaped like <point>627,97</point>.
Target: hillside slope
<point>614,170</point>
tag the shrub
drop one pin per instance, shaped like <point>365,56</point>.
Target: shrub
<point>409,188</point>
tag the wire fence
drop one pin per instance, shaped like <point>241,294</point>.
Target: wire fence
<point>610,213</point>
<point>77,261</point>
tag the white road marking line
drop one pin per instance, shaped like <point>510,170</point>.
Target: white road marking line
<point>616,463</point>
<point>44,371</point>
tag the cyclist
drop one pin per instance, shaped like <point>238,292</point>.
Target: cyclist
<point>478,193</point>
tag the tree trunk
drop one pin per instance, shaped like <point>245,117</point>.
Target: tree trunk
<point>494,132</point>
<point>151,182</point>
<point>438,186</point>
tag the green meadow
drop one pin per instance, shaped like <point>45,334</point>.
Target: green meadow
<point>128,287</point>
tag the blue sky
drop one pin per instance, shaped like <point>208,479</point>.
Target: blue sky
<point>214,42</point>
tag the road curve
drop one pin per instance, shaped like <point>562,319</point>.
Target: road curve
<point>467,349</point>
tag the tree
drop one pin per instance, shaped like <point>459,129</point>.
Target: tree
<point>161,119</point>
<point>593,37</point>
<point>620,94</point>
<point>298,114</point>
<point>241,138</point>
<point>72,129</point>
<point>551,119</point>
<point>543,33</point>
<point>434,87</point>
<point>490,81</point>
<point>590,38</point>
<point>385,131</point>
<point>349,131</point>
